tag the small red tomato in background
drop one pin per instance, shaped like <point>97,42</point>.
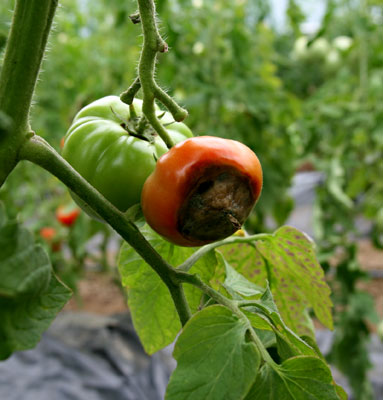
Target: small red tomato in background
<point>202,190</point>
<point>62,142</point>
<point>68,214</point>
<point>49,234</point>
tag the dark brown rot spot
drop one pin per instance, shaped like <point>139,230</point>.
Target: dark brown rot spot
<point>218,203</point>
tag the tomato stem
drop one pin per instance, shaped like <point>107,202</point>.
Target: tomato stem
<point>128,96</point>
<point>179,114</point>
<point>186,265</point>
<point>24,52</point>
<point>153,43</point>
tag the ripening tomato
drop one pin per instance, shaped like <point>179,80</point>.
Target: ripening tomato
<point>102,145</point>
<point>202,190</point>
<point>67,215</point>
<point>49,234</point>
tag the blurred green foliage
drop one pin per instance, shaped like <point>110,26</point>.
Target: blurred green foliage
<point>292,99</point>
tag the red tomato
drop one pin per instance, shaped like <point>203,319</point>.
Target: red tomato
<point>48,233</point>
<point>202,190</point>
<point>67,215</point>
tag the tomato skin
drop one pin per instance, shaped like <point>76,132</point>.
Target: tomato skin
<point>168,186</point>
<point>67,215</point>
<point>108,157</point>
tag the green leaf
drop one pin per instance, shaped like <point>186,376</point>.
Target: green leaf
<point>298,378</point>
<point>246,260</point>
<point>154,315</point>
<point>205,268</point>
<point>337,192</point>
<point>24,266</point>
<point>296,278</point>
<point>257,321</point>
<point>153,312</point>
<point>341,392</point>
<point>266,337</point>
<point>214,359</point>
<point>25,319</point>
<point>30,295</point>
<point>288,343</point>
<point>238,283</point>
<point>3,217</point>
<point>336,182</point>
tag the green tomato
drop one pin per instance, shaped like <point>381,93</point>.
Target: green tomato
<point>319,49</point>
<point>333,61</point>
<point>300,52</point>
<point>111,159</point>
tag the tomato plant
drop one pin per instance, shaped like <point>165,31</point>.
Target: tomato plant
<point>249,339</point>
<point>109,148</point>
<point>67,215</point>
<point>202,190</point>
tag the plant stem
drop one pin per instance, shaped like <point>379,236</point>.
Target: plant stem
<point>31,23</point>
<point>153,43</point>
<point>128,96</point>
<point>264,353</point>
<point>30,28</point>
<point>186,265</point>
<point>38,151</point>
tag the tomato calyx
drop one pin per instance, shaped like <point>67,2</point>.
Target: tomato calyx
<point>136,126</point>
<point>133,133</point>
<point>217,205</point>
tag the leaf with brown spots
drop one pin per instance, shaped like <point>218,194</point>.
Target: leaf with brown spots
<point>246,260</point>
<point>296,278</point>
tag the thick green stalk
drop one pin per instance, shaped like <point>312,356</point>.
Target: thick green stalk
<point>25,48</point>
<point>41,153</point>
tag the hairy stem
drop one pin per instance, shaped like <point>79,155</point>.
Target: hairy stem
<point>146,68</point>
<point>179,114</point>
<point>153,43</point>
<point>32,20</point>
<point>31,23</point>
<point>38,151</point>
<point>128,96</point>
